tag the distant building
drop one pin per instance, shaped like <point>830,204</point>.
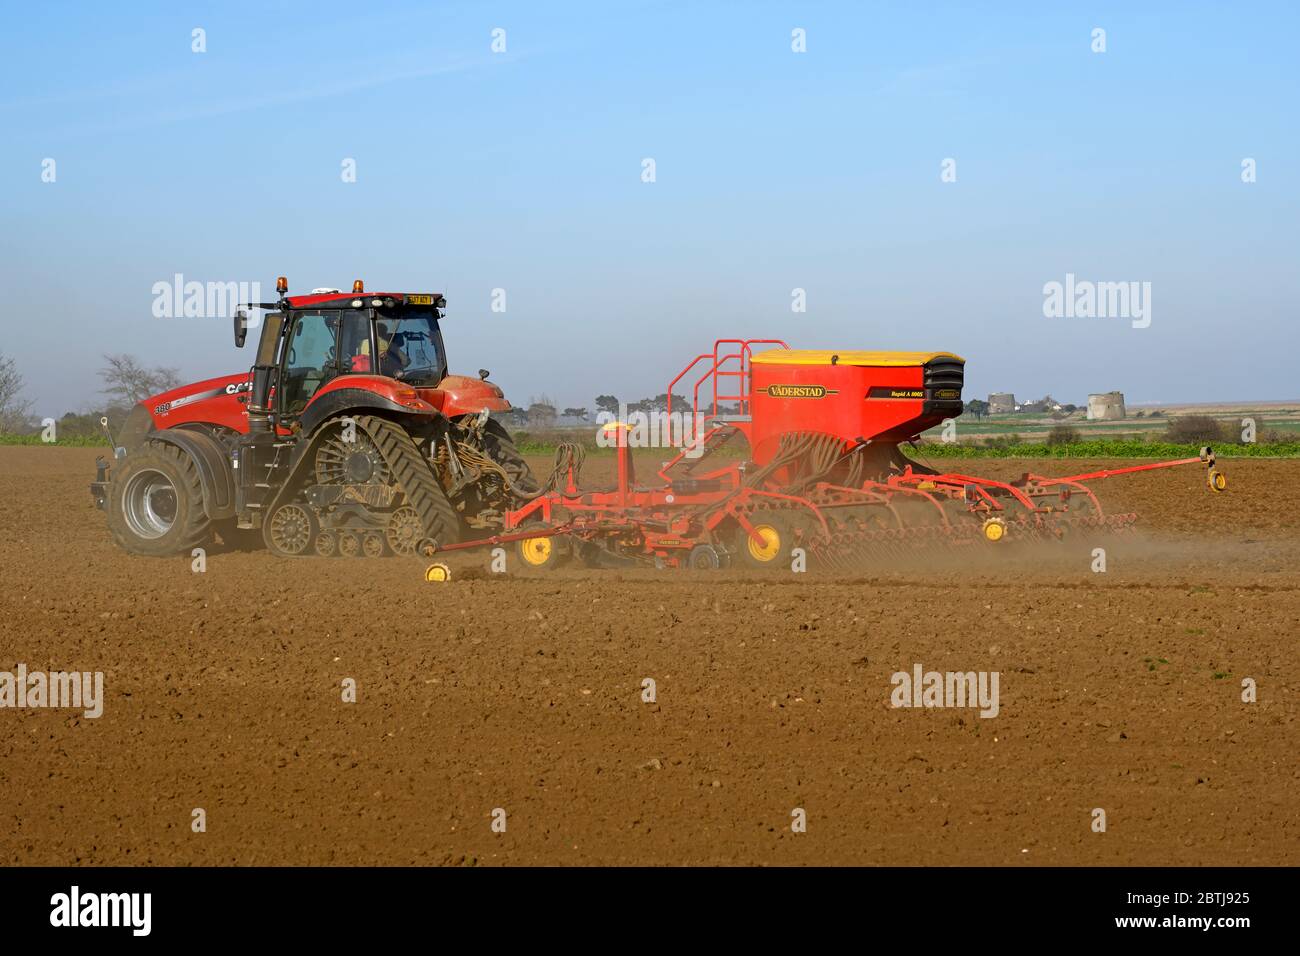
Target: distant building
<point>1107,406</point>
<point>1044,404</point>
<point>1002,403</point>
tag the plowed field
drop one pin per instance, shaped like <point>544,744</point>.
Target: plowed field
<point>1120,691</point>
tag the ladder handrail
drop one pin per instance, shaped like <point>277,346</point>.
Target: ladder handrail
<point>745,367</point>
<point>718,372</point>
<point>718,369</point>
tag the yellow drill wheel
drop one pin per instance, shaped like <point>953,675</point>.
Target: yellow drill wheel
<point>769,549</point>
<point>994,529</point>
<point>1216,480</point>
<point>536,552</point>
<point>437,572</point>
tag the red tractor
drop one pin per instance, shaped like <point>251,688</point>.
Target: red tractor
<point>347,436</point>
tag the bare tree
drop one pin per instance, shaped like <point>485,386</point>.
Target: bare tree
<point>516,417</point>
<point>127,382</point>
<point>541,412</point>
<point>13,409</point>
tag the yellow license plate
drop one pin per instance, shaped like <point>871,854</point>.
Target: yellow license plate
<point>419,300</point>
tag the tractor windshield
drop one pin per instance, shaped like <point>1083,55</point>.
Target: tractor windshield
<point>410,347</point>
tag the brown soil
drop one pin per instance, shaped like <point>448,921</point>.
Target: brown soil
<point>1119,690</point>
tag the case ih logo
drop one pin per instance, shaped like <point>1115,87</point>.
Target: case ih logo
<point>799,391</point>
<point>232,389</point>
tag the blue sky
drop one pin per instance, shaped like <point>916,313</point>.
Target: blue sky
<point>774,171</point>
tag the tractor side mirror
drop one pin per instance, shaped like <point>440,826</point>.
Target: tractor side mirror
<point>241,328</point>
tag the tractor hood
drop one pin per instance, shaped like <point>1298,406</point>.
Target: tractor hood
<point>214,400</point>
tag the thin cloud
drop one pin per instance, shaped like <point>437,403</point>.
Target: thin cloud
<point>269,100</point>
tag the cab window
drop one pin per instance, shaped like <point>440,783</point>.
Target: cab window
<point>354,343</point>
<point>411,349</point>
<point>309,359</point>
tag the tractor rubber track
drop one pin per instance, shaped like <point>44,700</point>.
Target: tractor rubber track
<point>414,476</point>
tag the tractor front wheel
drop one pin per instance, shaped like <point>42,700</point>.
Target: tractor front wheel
<point>155,503</point>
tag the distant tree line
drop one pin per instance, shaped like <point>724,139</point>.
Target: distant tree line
<point>125,381</point>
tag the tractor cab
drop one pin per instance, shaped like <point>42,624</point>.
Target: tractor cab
<point>309,342</point>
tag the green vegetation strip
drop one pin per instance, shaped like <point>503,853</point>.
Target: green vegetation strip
<point>73,441</point>
<point>1107,448</point>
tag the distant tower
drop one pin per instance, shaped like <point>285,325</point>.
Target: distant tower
<point>1108,406</point>
<point>1002,403</point>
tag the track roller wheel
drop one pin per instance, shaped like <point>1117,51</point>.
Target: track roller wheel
<point>326,544</point>
<point>404,531</point>
<point>290,530</point>
<point>372,544</point>
<point>349,544</point>
<point>1216,479</point>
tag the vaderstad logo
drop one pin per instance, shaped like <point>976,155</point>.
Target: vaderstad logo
<point>1083,299</point>
<point>75,908</point>
<point>951,689</point>
<point>798,391</point>
<point>202,300</point>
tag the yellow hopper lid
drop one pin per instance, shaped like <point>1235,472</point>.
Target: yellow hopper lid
<point>872,359</point>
